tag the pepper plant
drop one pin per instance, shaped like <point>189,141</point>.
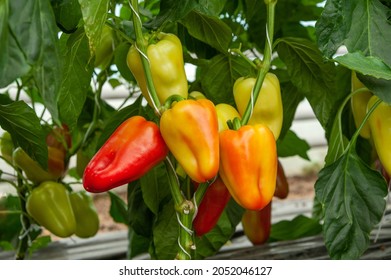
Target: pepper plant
<point>199,155</point>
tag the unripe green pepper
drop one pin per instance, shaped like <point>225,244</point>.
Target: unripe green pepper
<point>359,102</point>
<point>167,67</point>
<point>87,220</point>
<point>268,108</point>
<point>50,206</point>
<point>380,127</point>
<point>33,170</point>
<point>7,146</point>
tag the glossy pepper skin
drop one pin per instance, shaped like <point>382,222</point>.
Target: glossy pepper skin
<point>248,165</point>
<point>380,127</point>
<point>87,220</point>
<point>167,68</point>
<point>32,169</point>
<point>282,185</point>
<point>50,206</point>
<point>190,130</point>
<point>359,102</point>
<point>211,207</point>
<point>268,108</point>
<point>132,150</point>
<point>257,224</point>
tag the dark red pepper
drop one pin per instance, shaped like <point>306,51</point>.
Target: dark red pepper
<point>212,205</point>
<point>282,185</point>
<point>257,224</point>
<point>131,151</point>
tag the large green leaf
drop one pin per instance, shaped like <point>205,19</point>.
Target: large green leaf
<point>301,226</point>
<point>352,196</point>
<point>13,63</point>
<point>311,75</point>
<point>292,145</point>
<point>24,126</point>
<point>219,75</point>
<point>94,17</point>
<point>77,75</point>
<point>361,25</point>
<point>208,29</point>
<point>118,208</point>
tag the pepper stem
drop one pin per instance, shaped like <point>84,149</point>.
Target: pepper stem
<point>265,65</point>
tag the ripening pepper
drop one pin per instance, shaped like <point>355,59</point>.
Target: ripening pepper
<point>50,206</point>
<point>87,219</point>
<point>268,108</point>
<point>248,165</point>
<point>167,68</point>
<point>131,151</point>
<point>257,224</point>
<point>380,127</point>
<point>359,102</point>
<point>225,113</point>
<point>32,169</point>
<point>190,130</point>
<point>282,186</point>
<point>211,207</point>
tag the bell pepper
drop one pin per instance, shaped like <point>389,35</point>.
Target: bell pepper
<point>105,49</point>
<point>282,186</point>
<point>6,146</point>
<point>131,151</point>
<point>167,68</point>
<point>268,108</point>
<point>59,141</point>
<point>257,224</point>
<point>50,206</point>
<point>87,219</point>
<point>380,127</point>
<point>212,205</point>
<point>225,113</point>
<point>190,130</point>
<point>359,102</point>
<point>248,165</point>
<point>379,167</point>
<point>32,169</point>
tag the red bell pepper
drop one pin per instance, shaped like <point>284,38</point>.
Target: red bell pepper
<point>131,151</point>
<point>212,205</point>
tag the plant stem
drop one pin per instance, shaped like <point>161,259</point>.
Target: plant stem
<point>141,45</point>
<point>265,65</point>
<point>184,211</point>
<point>23,242</point>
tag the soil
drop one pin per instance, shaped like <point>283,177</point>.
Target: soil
<point>300,187</point>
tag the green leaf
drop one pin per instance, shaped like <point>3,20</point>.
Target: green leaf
<point>291,98</point>
<point>120,54</point>
<point>366,65</point>
<point>352,196</point>
<point>380,87</point>
<point>208,29</point>
<point>94,17</point>
<point>311,74</point>
<point>67,13</point>
<point>77,75</point>
<point>292,145</point>
<point>361,25</point>
<point>154,187</point>
<point>300,227</point>
<point>138,244</point>
<point>219,75</point>
<point>13,63</point>
<point>39,243</point>
<point>211,243</point>
<point>165,234</point>
<point>10,213</point>
<point>118,209</point>
<point>171,11</point>
<point>140,218</point>
<point>24,126</point>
